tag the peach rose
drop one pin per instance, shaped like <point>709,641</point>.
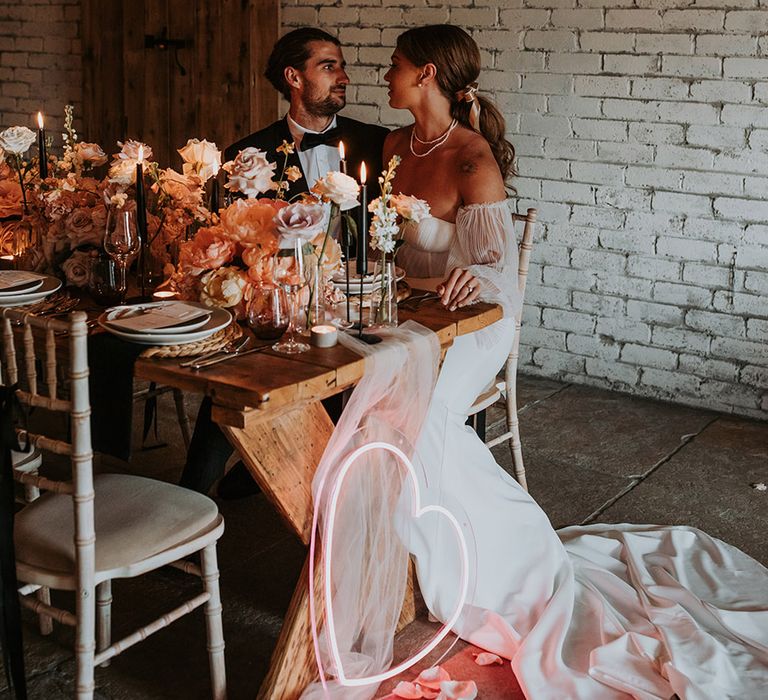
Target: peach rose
<point>77,268</point>
<point>209,249</point>
<point>91,153</point>
<point>82,229</point>
<point>250,223</point>
<point>10,198</point>
<point>186,190</point>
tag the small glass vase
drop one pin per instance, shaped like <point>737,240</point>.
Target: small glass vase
<point>384,295</point>
<point>316,311</point>
<point>292,272</point>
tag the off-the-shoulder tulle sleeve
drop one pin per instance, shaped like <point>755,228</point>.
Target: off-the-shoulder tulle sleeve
<point>486,245</point>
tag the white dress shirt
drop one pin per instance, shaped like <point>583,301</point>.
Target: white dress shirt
<point>317,161</point>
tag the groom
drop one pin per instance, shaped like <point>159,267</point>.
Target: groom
<point>307,67</point>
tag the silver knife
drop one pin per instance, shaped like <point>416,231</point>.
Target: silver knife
<point>229,356</point>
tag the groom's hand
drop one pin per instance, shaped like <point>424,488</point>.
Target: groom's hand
<point>461,288</point>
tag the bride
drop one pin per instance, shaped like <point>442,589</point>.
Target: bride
<point>586,612</point>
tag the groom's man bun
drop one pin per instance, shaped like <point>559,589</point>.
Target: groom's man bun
<point>292,50</point>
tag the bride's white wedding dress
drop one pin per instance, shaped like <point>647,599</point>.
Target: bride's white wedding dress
<point>606,612</point>
<point>588,613</point>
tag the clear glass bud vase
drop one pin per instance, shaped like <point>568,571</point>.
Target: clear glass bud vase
<point>384,294</point>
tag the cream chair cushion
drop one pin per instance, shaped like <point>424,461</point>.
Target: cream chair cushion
<point>135,518</point>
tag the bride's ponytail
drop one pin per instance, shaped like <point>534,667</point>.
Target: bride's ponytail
<point>457,59</point>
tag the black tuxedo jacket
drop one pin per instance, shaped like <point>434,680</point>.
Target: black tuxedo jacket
<point>363,142</point>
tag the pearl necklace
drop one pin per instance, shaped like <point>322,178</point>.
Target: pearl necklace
<point>439,141</point>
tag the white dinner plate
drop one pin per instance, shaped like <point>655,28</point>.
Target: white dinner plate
<point>49,286</point>
<point>219,318</point>
<point>340,281</point>
<point>23,288</point>
<point>120,312</point>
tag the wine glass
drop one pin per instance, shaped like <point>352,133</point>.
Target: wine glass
<point>268,311</point>
<point>103,284</point>
<point>292,272</point>
<point>121,243</point>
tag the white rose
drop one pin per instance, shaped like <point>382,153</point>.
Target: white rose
<point>122,170</point>
<point>250,173</point>
<point>409,207</point>
<point>223,287</point>
<point>17,139</point>
<point>338,188</point>
<point>201,158</point>
<point>130,150</point>
<point>91,152</point>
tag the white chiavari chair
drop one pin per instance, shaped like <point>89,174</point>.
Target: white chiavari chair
<point>506,390</point>
<point>84,532</point>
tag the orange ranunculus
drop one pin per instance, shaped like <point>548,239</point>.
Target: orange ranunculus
<point>249,222</point>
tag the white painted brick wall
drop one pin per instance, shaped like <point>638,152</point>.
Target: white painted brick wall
<point>641,128</point>
<point>40,66</point>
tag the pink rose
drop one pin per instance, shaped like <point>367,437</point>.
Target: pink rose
<point>299,222</point>
<point>250,173</point>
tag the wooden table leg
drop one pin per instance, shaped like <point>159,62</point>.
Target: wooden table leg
<point>282,455</point>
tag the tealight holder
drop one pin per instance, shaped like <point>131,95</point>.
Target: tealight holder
<point>323,336</point>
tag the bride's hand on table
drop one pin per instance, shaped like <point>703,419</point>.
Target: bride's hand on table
<point>459,289</point>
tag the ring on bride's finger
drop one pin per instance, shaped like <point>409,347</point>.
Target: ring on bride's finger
<point>470,288</point>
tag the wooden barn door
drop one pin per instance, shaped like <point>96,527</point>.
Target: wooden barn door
<point>163,71</point>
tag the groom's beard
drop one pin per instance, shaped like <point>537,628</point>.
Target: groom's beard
<point>327,106</point>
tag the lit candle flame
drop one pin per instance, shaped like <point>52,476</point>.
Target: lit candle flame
<point>141,154</point>
<point>341,150</point>
<point>40,119</point>
<point>363,173</point>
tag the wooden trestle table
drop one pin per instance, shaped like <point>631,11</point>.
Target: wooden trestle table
<point>268,405</point>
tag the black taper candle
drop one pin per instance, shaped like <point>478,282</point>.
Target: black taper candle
<point>214,203</point>
<point>141,224</point>
<point>41,153</point>
<point>362,235</point>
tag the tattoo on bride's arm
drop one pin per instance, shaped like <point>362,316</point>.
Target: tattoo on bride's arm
<point>469,167</point>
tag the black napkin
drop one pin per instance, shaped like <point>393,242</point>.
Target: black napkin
<point>111,385</point>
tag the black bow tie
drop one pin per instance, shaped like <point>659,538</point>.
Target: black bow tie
<point>327,138</point>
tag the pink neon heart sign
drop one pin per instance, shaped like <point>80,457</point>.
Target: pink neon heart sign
<point>417,511</point>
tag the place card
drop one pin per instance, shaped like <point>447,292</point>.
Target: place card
<point>147,317</point>
<point>11,280</point>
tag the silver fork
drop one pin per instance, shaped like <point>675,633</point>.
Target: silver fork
<point>231,347</point>
<point>415,302</point>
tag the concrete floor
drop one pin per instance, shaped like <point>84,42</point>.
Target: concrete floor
<point>591,456</point>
